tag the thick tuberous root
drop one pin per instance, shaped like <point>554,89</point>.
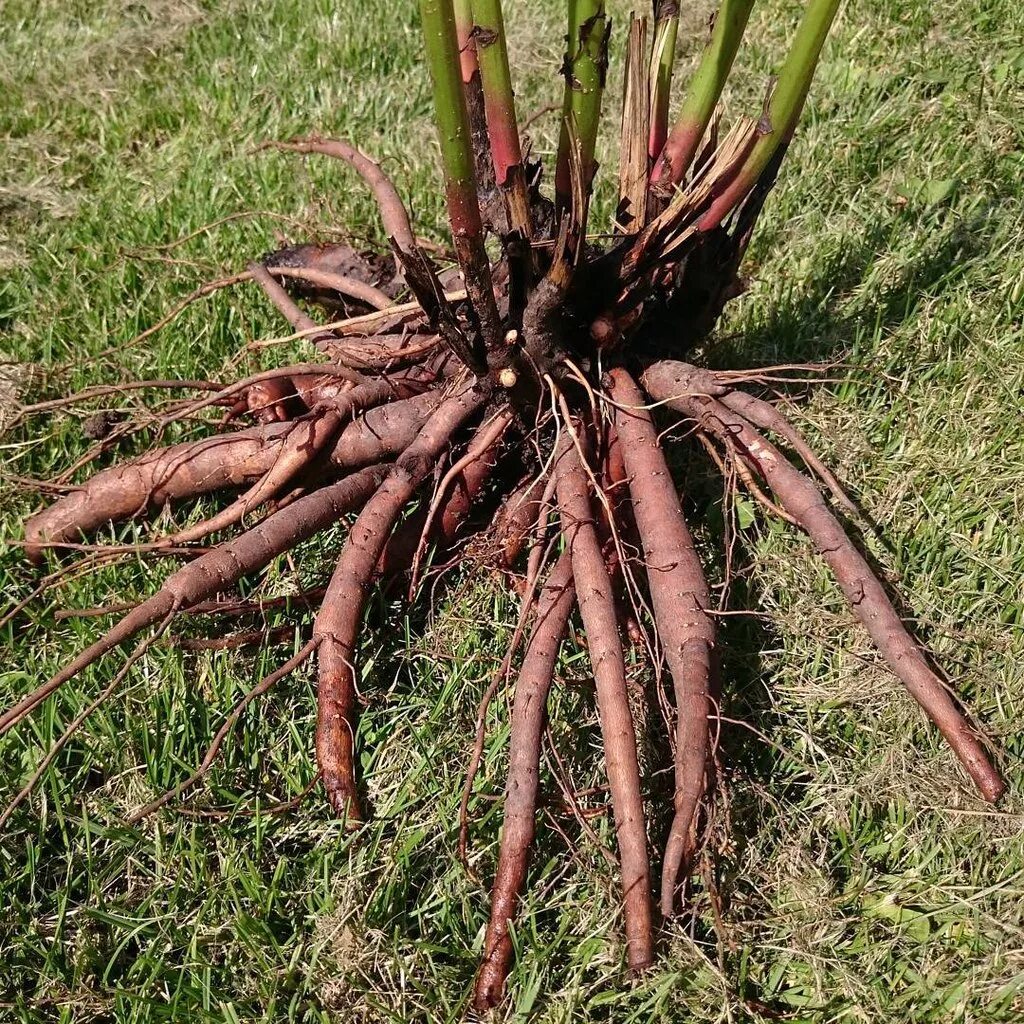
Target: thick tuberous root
<point>508,414</point>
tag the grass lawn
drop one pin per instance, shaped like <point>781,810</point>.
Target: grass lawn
<point>859,878</point>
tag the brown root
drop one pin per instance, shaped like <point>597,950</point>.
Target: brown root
<point>195,468</point>
<point>516,520</point>
<point>673,383</point>
<point>597,609</point>
<point>680,598</point>
<point>350,286</point>
<point>217,571</point>
<point>182,471</point>
<point>392,210</point>
<point>396,559</point>
<point>286,306</point>
<point>528,719</point>
<point>298,449</point>
<point>486,438</point>
<point>500,677</point>
<point>764,415</point>
<point>283,378</point>
<point>337,625</point>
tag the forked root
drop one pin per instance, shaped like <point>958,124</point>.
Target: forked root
<point>764,415</point>
<point>528,719</point>
<point>674,383</point>
<point>289,309</point>
<point>679,594</point>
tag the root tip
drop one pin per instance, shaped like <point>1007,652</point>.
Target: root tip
<point>993,788</point>
<point>344,803</point>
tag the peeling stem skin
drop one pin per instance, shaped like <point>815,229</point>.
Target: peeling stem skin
<point>216,571</point>
<point>663,51</point>
<point>633,169</point>
<point>783,109</point>
<point>680,598</point>
<point>340,618</point>
<point>473,93</point>
<point>702,94</point>
<point>597,609</point>
<point>500,108</point>
<point>451,118</point>
<point>586,64</point>
<point>673,383</point>
<point>528,718</point>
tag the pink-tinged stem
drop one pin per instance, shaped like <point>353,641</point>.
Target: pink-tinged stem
<point>453,129</point>
<point>500,109</point>
<point>464,35</point>
<point>703,92</point>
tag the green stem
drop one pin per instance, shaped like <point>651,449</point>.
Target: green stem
<point>702,93</point>
<point>500,108</point>
<point>663,53</point>
<point>783,109</point>
<point>442,52</point>
<point>586,63</point>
